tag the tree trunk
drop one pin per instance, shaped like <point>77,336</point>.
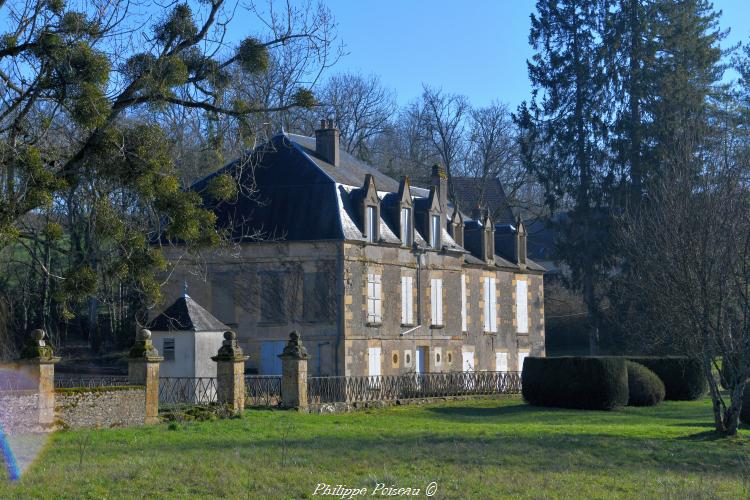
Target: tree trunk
<point>732,414</point>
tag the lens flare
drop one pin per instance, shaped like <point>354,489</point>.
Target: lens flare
<point>21,437</point>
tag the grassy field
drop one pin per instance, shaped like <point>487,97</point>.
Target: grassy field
<point>489,448</point>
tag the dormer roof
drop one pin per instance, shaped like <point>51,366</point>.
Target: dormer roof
<point>185,314</point>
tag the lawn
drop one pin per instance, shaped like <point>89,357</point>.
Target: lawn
<point>490,448</point>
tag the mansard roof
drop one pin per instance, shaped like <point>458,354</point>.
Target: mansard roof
<point>185,314</point>
<point>290,193</point>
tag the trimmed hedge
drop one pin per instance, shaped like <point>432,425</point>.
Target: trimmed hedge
<point>682,376</point>
<point>644,387</point>
<point>588,383</point>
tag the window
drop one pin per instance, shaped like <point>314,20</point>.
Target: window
<point>521,357</point>
<point>435,231</point>
<point>490,305</point>
<point>395,359</point>
<point>373,365</point>
<point>272,297</point>
<point>317,305</point>
<point>522,307</point>
<point>464,327</point>
<point>372,224</point>
<point>407,359</point>
<point>450,358</point>
<point>406,231</point>
<point>468,361</point>
<point>168,349</point>
<point>407,301</point>
<point>436,301</point>
<point>501,361</point>
<point>374,299</point>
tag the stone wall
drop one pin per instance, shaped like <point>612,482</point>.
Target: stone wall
<point>19,410</point>
<point>342,407</point>
<point>100,407</point>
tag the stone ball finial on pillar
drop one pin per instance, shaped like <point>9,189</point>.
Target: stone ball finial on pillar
<point>37,360</point>
<point>37,347</point>
<point>294,373</point>
<point>230,373</point>
<point>143,369</point>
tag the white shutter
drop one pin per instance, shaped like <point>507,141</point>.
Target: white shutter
<point>439,301</point>
<point>521,356</point>
<point>404,301</point>
<point>493,305</point>
<point>487,306</point>
<point>373,361</point>
<point>463,303</point>
<point>468,361</point>
<point>409,300</point>
<point>378,299</point>
<point>522,307</point>
<point>501,361</point>
<point>433,304</point>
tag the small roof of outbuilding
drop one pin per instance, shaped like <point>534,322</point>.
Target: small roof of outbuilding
<point>185,314</point>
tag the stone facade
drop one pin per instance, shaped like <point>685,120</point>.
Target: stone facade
<point>19,410</point>
<point>100,408</point>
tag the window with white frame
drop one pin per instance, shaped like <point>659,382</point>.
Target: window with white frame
<point>168,349</point>
<point>490,305</point>
<point>435,231</point>
<point>522,307</point>
<point>501,361</point>
<point>407,300</point>
<point>406,231</point>
<point>522,355</point>
<point>436,301</point>
<point>374,298</point>
<point>373,364</point>
<point>464,326</point>
<point>372,224</point>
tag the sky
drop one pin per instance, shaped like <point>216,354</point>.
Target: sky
<point>476,48</point>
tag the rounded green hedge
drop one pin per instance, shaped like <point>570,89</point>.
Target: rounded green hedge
<point>683,377</point>
<point>644,387</point>
<point>589,383</point>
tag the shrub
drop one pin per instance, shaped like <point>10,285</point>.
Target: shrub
<point>644,387</point>
<point>589,383</point>
<point>745,412</point>
<point>682,376</point>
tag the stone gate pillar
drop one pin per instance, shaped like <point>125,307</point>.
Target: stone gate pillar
<point>38,362</point>
<point>143,369</point>
<point>230,373</point>
<point>294,374</point>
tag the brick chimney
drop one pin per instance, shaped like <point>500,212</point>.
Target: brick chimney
<point>440,181</point>
<point>327,142</point>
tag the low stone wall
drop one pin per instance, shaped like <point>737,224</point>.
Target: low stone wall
<point>100,407</point>
<point>19,410</point>
<point>348,407</point>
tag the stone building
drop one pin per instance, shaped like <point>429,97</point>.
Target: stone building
<point>378,276</point>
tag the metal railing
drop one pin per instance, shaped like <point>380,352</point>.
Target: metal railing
<point>411,386</point>
<point>187,390</point>
<point>65,381</point>
<point>262,390</point>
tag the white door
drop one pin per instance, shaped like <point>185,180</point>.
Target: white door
<point>501,361</point>
<point>374,361</point>
<point>521,356</point>
<point>468,361</point>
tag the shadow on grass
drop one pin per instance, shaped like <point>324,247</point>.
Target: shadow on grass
<point>704,436</point>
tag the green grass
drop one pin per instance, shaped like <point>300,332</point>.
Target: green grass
<point>489,448</point>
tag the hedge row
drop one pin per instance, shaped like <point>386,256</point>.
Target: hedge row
<point>595,383</point>
<point>683,377</point>
<point>644,387</point>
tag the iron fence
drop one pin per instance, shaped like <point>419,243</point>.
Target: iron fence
<point>187,390</point>
<point>411,386</point>
<point>65,381</point>
<point>262,390</point>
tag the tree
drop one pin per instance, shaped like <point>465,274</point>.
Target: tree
<point>88,188</point>
<point>563,132</point>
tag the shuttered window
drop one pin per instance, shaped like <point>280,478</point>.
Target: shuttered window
<point>374,298</point>
<point>490,305</point>
<point>435,231</point>
<point>168,349</point>
<point>463,304</point>
<point>373,365</point>
<point>406,226</point>
<point>372,224</point>
<point>407,301</point>
<point>436,301</point>
<point>522,307</point>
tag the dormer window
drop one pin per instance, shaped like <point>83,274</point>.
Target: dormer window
<point>406,229</point>
<point>435,231</point>
<point>372,224</point>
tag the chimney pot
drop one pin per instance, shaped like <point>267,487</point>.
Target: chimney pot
<point>327,142</point>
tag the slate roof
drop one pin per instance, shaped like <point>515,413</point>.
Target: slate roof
<point>489,194</point>
<point>298,196</point>
<point>185,314</point>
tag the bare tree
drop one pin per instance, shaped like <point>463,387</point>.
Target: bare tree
<point>689,275</point>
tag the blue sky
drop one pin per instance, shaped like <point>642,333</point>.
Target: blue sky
<point>476,48</point>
